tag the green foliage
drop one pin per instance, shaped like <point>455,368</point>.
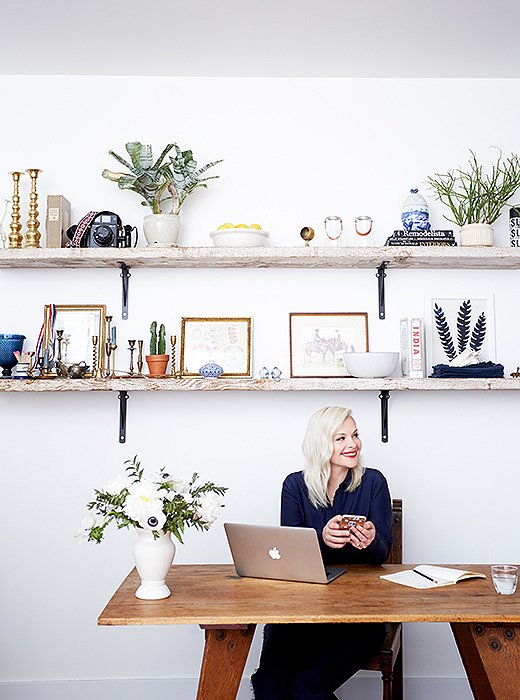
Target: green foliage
<point>161,345</point>
<point>157,341</point>
<point>474,197</point>
<point>153,338</point>
<point>163,180</point>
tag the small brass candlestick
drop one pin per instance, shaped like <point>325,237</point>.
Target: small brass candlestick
<point>15,237</point>
<point>113,348</point>
<point>174,373</point>
<point>108,351</point>
<point>59,338</point>
<point>131,347</point>
<point>109,332</point>
<point>95,368</point>
<point>140,358</point>
<point>33,235</point>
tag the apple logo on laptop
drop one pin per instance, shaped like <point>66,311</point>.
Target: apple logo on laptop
<point>274,553</point>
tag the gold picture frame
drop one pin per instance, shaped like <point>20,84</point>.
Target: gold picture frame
<point>318,341</point>
<point>225,341</point>
<point>78,323</point>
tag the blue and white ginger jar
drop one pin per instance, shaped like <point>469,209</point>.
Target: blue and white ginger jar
<point>211,370</point>
<point>414,214</point>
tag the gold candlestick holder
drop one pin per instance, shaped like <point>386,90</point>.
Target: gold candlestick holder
<point>95,367</point>
<point>140,357</point>
<point>59,340</point>
<point>174,373</point>
<point>108,350</point>
<point>15,237</point>
<point>113,348</point>
<point>33,235</point>
<point>131,347</point>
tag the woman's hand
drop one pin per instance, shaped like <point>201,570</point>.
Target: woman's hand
<point>362,535</point>
<point>333,535</point>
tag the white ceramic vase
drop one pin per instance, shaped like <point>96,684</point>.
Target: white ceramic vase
<point>476,235</point>
<point>153,558</point>
<point>162,230</point>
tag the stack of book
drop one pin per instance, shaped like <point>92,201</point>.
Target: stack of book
<point>421,238</point>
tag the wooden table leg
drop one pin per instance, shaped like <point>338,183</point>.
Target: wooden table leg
<point>491,656</point>
<point>225,655</point>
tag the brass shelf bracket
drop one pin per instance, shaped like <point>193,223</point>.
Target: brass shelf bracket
<point>381,274</point>
<point>123,400</point>
<point>384,396</point>
<point>125,275</point>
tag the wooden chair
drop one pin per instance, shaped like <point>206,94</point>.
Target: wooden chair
<point>389,660</point>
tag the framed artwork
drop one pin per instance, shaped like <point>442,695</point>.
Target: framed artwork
<point>318,341</point>
<point>79,324</point>
<point>461,324</point>
<point>226,341</point>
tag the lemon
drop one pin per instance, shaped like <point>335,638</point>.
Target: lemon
<point>241,226</point>
<point>225,226</point>
<point>257,226</point>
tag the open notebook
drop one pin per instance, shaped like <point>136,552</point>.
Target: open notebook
<point>424,576</point>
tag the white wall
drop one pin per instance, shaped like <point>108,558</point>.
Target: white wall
<point>295,151</point>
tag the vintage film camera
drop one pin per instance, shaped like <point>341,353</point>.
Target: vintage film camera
<point>106,230</point>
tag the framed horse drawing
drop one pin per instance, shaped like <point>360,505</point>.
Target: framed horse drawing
<point>318,342</point>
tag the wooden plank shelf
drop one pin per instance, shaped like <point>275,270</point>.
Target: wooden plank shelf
<point>223,384</point>
<point>427,257</point>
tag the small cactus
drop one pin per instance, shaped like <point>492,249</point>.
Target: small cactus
<point>153,339</point>
<point>161,346</point>
<point>157,344</point>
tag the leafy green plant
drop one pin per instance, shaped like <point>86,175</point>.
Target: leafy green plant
<point>164,504</point>
<point>476,197</point>
<point>157,344</point>
<point>173,178</point>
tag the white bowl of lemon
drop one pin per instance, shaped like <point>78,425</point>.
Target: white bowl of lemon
<point>239,235</point>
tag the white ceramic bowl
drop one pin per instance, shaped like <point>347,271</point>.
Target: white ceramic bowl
<point>242,237</point>
<point>371,364</point>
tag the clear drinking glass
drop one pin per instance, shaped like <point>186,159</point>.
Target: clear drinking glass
<point>333,228</point>
<point>505,578</point>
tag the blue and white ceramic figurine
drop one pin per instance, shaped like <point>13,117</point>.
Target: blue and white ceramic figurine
<point>414,214</point>
<point>211,370</point>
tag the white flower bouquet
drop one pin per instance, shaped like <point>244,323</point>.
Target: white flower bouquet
<point>163,505</point>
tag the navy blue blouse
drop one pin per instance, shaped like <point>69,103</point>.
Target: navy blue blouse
<point>371,498</point>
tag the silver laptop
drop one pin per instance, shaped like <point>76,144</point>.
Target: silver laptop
<point>286,553</point>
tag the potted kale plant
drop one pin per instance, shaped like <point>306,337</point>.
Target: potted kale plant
<point>476,198</point>
<point>163,184</point>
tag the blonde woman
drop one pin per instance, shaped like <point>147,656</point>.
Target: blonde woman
<point>310,662</point>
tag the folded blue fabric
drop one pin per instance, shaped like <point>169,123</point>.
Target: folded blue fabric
<point>482,369</point>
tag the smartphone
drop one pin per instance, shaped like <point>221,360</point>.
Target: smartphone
<point>347,522</point>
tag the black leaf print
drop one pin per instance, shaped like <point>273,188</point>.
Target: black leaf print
<point>444,332</point>
<point>463,321</point>
<point>479,333</point>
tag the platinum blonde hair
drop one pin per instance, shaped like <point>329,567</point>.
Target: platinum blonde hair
<point>317,449</point>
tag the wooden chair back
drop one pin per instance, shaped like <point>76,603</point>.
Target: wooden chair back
<point>396,553</point>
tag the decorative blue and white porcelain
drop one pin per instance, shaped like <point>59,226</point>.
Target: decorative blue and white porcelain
<point>414,214</point>
<point>264,373</point>
<point>276,373</point>
<point>211,370</point>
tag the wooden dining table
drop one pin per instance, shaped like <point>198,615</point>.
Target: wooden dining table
<point>486,626</point>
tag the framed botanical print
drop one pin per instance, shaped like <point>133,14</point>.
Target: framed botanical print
<point>318,342</point>
<point>225,341</point>
<point>78,323</point>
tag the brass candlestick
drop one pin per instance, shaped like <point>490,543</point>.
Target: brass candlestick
<point>174,373</point>
<point>32,235</point>
<point>95,368</point>
<point>140,357</point>
<point>131,347</point>
<point>59,338</point>
<point>108,350</point>
<point>113,348</point>
<point>15,237</point>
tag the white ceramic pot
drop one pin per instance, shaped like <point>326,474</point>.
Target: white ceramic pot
<point>476,235</point>
<point>153,558</point>
<point>371,364</point>
<point>241,237</point>
<point>162,230</point>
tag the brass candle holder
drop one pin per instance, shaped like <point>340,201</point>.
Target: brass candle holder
<point>33,235</point>
<point>131,347</point>
<point>59,339</point>
<point>108,351</point>
<point>15,237</point>
<point>95,367</point>
<point>174,373</point>
<point>140,358</point>
<point>113,348</point>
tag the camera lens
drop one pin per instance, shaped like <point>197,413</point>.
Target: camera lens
<point>103,235</point>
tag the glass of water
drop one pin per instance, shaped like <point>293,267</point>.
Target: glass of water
<point>504,579</point>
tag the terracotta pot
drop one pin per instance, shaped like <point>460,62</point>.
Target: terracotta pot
<point>157,364</point>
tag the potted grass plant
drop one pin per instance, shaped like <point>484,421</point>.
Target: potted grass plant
<point>475,197</point>
<point>163,184</point>
<point>157,360</point>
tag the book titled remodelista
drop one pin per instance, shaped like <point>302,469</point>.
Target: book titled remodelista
<point>425,576</point>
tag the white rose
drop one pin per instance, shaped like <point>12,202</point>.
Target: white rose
<point>152,521</point>
<point>87,523</point>
<point>208,508</point>
<point>144,499</point>
<point>115,486</point>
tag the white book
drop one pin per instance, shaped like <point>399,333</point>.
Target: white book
<point>426,576</point>
<point>412,347</point>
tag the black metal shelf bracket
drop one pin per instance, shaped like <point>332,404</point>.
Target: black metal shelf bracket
<point>381,274</point>
<point>123,399</point>
<point>125,275</point>
<point>384,397</point>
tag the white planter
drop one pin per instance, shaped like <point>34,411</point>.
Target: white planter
<point>162,230</point>
<point>153,558</point>
<point>476,235</point>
